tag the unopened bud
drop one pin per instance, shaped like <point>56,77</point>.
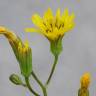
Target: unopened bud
<point>15,79</point>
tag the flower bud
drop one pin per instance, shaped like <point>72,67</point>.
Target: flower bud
<point>15,79</point>
<point>25,59</point>
<point>22,51</point>
<point>85,80</point>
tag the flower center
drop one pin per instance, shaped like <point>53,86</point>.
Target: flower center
<point>50,25</point>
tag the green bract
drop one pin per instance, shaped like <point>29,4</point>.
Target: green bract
<point>56,47</point>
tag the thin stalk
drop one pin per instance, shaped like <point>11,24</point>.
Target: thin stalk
<point>40,83</point>
<point>52,70</point>
<point>29,87</point>
<point>24,85</point>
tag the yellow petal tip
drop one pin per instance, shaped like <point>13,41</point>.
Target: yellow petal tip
<point>2,29</point>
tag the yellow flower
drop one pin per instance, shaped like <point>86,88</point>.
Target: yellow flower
<point>85,80</point>
<point>53,27</point>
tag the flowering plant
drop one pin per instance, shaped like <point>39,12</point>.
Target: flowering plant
<point>53,28</point>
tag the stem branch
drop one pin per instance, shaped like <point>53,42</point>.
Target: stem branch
<point>52,70</point>
<point>29,87</point>
<point>40,83</point>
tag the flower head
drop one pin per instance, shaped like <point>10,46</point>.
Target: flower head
<point>22,51</point>
<point>53,27</point>
<point>85,80</point>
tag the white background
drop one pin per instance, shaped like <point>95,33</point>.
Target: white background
<point>79,46</point>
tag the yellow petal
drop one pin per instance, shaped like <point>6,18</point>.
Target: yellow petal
<point>32,30</point>
<point>50,36</point>
<point>2,29</point>
<point>53,35</point>
<point>71,25</point>
<point>26,46</point>
<point>71,18</point>
<point>56,31</point>
<point>65,13</point>
<point>58,13</point>
<point>26,43</point>
<point>35,30</point>
<point>37,20</point>
<point>48,14</point>
<point>20,47</point>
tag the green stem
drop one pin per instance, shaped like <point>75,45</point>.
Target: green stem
<point>29,87</point>
<point>40,83</point>
<point>24,85</point>
<point>52,70</point>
